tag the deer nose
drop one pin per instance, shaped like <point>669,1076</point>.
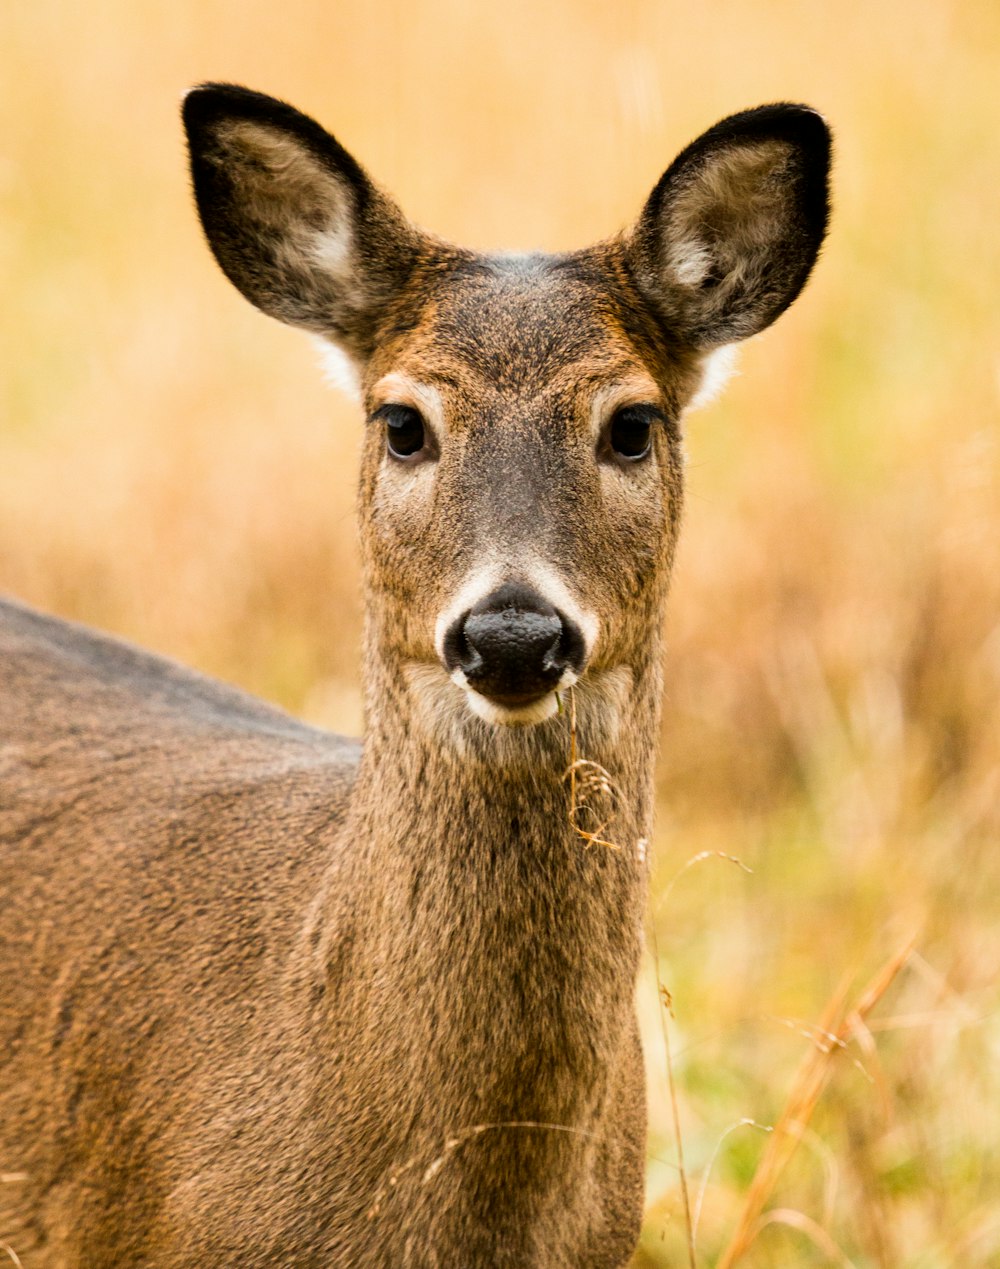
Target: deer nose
<point>514,647</point>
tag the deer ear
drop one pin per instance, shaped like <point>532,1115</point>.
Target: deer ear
<point>292,218</point>
<point>731,231</point>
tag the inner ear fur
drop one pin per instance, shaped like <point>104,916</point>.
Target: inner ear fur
<point>294,221</point>
<point>732,229</point>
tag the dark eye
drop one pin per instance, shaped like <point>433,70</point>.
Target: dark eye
<point>630,431</point>
<point>405,434</point>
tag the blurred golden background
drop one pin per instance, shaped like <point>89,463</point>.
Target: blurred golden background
<point>172,468</point>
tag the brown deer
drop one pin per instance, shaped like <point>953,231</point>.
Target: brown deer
<point>276,998</point>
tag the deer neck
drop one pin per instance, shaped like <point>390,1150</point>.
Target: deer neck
<point>467,833</point>
<point>468,925</point>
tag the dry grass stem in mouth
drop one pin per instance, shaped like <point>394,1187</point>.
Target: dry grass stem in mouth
<point>589,783</point>
<point>838,1026</point>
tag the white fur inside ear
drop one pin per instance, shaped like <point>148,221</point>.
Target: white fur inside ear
<point>690,261</point>
<point>339,369</point>
<point>716,371</point>
<point>332,248</point>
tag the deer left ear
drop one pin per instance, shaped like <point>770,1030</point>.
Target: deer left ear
<point>296,224</point>
<point>731,231</point>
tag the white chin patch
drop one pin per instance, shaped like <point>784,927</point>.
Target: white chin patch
<point>523,716</point>
<point>512,716</point>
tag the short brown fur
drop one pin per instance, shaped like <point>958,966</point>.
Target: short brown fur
<point>273,997</point>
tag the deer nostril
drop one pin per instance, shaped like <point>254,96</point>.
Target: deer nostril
<point>467,656</point>
<point>513,646</point>
<point>521,638</point>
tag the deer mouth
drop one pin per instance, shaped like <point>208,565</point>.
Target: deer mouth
<point>512,709</point>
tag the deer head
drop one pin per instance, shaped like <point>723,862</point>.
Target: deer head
<point>522,470</point>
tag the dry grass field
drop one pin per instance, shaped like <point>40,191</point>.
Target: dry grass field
<point>173,468</point>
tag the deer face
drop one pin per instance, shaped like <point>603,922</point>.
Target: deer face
<point>521,480</point>
<point>521,484</point>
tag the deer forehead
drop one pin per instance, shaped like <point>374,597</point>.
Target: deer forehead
<point>533,331</point>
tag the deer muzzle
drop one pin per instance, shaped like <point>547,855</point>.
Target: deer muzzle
<point>514,648</point>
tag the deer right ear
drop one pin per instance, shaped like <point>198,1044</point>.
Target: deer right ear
<point>731,231</point>
<point>292,218</point>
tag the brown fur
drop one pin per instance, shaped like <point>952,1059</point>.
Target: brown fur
<point>274,998</point>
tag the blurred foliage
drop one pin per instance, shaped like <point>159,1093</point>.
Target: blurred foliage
<point>172,468</point>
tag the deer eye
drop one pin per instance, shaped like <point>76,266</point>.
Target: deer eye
<point>629,434</point>
<point>405,434</point>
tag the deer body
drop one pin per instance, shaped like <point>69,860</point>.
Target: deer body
<point>272,997</point>
<point>230,1011</point>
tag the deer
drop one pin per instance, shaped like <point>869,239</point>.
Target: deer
<point>274,997</point>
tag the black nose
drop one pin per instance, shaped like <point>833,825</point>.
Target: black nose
<point>513,646</point>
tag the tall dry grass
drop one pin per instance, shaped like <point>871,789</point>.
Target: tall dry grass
<point>172,468</point>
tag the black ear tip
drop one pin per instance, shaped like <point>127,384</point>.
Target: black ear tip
<point>809,128</point>
<point>802,125</point>
<point>205,104</point>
